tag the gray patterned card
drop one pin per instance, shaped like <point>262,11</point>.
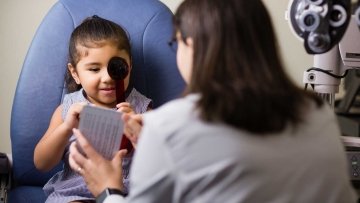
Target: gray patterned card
<point>103,128</point>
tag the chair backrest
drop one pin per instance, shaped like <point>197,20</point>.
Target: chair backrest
<point>41,84</point>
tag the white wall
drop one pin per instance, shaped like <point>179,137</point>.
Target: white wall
<point>19,20</point>
<point>172,4</point>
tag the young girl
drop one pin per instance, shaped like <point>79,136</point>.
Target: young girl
<point>92,45</point>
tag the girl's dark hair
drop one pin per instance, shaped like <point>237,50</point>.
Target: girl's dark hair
<point>236,66</point>
<point>94,32</point>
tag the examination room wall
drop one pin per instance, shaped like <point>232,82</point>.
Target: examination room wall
<point>19,20</point>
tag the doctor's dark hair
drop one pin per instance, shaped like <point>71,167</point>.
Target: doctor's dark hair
<point>94,32</point>
<point>237,69</point>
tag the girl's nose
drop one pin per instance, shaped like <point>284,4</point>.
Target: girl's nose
<point>105,77</point>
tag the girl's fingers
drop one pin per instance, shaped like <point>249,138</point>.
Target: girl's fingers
<point>125,110</point>
<point>123,104</point>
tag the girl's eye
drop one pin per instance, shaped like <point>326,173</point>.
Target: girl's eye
<point>94,69</point>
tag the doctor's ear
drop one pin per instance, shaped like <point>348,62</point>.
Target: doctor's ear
<point>73,73</point>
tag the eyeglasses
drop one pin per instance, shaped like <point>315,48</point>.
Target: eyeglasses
<point>173,44</point>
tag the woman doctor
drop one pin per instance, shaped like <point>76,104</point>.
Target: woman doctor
<point>243,132</point>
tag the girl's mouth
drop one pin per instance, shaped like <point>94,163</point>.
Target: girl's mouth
<point>108,91</point>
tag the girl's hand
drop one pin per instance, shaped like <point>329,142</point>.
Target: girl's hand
<point>98,172</point>
<point>132,127</point>
<point>125,107</point>
<point>72,117</point>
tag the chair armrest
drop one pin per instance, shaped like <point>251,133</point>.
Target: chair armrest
<point>5,176</point>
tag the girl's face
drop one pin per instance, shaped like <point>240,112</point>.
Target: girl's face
<point>91,72</point>
<point>184,57</point>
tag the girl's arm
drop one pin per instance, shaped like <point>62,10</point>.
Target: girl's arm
<point>50,149</point>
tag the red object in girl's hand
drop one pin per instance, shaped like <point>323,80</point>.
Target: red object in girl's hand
<point>126,144</point>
